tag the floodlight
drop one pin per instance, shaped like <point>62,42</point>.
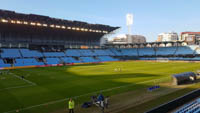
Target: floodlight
<point>39,24</point>
<point>19,22</point>
<point>4,20</point>
<point>52,26</point>
<point>25,22</point>
<point>12,21</point>
<point>86,29</point>
<point>32,23</point>
<point>57,26</point>
<point>63,27</point>
<point>45,25</point>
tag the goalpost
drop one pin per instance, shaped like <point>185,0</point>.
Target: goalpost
<point>162,59</point>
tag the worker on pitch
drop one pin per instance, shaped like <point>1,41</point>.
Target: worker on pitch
<point>71,105</point>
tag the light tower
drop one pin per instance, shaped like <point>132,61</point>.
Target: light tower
<point>129,23</point>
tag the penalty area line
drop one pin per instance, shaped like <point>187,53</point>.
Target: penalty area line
<point>27,81</point>
<point>100,91</point>
<point>16,87</point>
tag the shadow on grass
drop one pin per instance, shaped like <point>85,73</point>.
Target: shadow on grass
<point>90,64</point>
<point>146,106</point>
<point>59,81</point>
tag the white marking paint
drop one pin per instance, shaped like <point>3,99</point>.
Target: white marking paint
<point>61,100</point>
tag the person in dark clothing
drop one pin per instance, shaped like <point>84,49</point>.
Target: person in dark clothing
<point>22,77</point>
<point>100,97</point>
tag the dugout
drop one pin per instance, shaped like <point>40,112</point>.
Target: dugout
<point>184,78</point>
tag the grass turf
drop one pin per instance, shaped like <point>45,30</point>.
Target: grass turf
<point>58,83</point>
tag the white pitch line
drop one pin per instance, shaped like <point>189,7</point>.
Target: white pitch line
<point>23,79</point>
<point>20,86</point>
<point>16,87</point>
<point>61,100</point>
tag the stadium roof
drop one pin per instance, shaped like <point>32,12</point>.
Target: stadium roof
<point>12,17</point>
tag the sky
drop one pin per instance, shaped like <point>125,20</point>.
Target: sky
<point>151,17</point>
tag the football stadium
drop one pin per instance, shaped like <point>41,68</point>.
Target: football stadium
<point>46,61</point>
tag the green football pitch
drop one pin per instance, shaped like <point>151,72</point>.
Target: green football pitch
<point>46,89</point>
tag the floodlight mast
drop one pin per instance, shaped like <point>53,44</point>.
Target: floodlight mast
<point>129,22</point>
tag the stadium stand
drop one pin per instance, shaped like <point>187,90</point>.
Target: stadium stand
<point>10,53</point>
<point>88,59</point>
<point>130,52</point>
<point>102,52</point>
<point>146,52</point>
<point>106,58</point>
<point>163,51</point>
<point>30,53</point>
<point>185,50</point>
<point>51,61</point>
<point>193,107</point>
<point>117,52</point>
<point>73,52</point>
<point>2,64</point>
<point>109,52</point>
<point>27,62</point>
<point>86,52</point>
<point>27,57</point>
<point>196,50</point>
<point>54,54</point>
<point>69,60</point>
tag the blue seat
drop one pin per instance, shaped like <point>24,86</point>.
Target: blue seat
<point>10,53</point>
<point>54,54</point>
<point>27,62</point>
<point>106,58</point>
<point>30,53</point>
<point>88,59</point>
<point>53,61</point>
<point>165,51</point>
<point>70,60</point>
<point>2,64</point>
<point>129,52</point>
<point>146,51</point>
<point>73,52</point>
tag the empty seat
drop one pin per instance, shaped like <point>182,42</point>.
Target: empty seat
<point>116,52</point>
<point>146,51</point>
<point>193,107</point>
<point>69,60</point>
<point>30,53</point>
<point>88,59</point>
<point>10,53</point>
<point>106,58</point>
<point>99,52</point>
<point>2,64</point>
<point>184,50</point>
<point>73,52</point>
<point>54,54</point>
<point>129,52</point>
<point>53,61</point>
<point>27,62</point>
<point>165,51</point>
<point>86,52</point>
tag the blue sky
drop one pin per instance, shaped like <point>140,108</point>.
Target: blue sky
<point>151,17</point>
